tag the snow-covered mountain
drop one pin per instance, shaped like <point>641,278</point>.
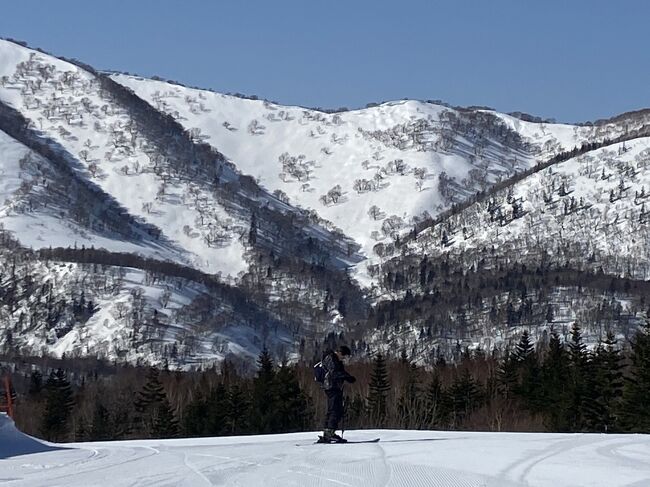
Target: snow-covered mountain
<point>589,211</point>
<point>295,217</point>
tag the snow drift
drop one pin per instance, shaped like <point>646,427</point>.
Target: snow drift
<point>14,443</point>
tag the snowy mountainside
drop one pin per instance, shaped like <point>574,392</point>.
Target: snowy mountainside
<point>307,215</point>
<point>49,207</point>
<point>92,145</point>
<point>567,244</point>
<point>374,172</point>
<point>68,106</point>
<point>590,212</point>
<point>124,313</point>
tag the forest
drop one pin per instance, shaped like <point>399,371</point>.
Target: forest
<point>553,388</point>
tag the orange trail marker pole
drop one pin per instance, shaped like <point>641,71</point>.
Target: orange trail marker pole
<point>10,409</point>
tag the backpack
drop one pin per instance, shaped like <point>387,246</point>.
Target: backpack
<point>320,373</point>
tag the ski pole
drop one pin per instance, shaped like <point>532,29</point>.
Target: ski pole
<point>344,409</point>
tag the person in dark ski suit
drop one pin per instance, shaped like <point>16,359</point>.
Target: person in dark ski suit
<point>335,376</point>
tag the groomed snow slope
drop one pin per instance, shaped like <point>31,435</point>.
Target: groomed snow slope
<point>401,459</point>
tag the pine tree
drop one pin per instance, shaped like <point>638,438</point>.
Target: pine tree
<point>35,384</point>
<point>437,404</point>
<point>579,372</point>
<point>508,375</point>
<point>378,391</point>
<point>58,406</point>
<point>292,410</point>
<point>264,398</point>
<point>555,391</point>
<point>409,404</point>
<point>100,429</point>
<point>465,395</point>
<point>165,424</point>
<point>355,409</point>
<point>634,413</point>
<point>237,411</point>
<point>529,387</point>
<point>148,403</point>
<point>608,385</point>
<point>206,414</point>
<point>524,348</point>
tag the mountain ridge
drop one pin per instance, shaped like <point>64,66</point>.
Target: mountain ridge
<point>312,217</point>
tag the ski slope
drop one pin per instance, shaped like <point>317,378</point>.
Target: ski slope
<point>401,459</point>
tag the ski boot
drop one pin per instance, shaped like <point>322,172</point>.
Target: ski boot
<point>330,436</point>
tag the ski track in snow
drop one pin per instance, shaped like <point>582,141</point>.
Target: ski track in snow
<point>401,459</point>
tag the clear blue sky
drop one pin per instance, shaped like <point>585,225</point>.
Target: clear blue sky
<point>572,60</point>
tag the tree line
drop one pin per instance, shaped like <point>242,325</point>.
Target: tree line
<point>558,387</point>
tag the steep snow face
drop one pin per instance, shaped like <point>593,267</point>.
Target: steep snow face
<point>125,314</point>
<point>11,152</point>
<point>371,173</point>
<point>592,208</point>
<point>400,459</point>
<point>34,206</point>
<point>69,107</point>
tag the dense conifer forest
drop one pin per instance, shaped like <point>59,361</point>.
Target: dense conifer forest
<point>553,387</point>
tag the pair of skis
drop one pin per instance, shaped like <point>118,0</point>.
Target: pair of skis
<point>322,440</point>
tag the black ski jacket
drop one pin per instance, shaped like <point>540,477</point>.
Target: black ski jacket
<point>335,373</point>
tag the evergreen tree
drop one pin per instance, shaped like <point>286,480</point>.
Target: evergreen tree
<point>100,429</point>
<point>35,384</point>
<point>437,403</point>
<point>608,385</point>
<point>508,375</point>
<point>264,398</point>
<point>579,371</point>
<point>237,411</point>
<point>59,402</point>
<point>524,348</point>
<point>149,402</point>
<point>206,414</point>
<point>292,410</point>
<point>165,424</point>
<point>378,391</point>
<point>529,387</point>
<point>465,395</point>
<point>555,391</point>
<point>409,403</point>
<point>634,413</point>
<point>355,409</point>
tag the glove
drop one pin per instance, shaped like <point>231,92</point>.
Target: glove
<point>351,379</point>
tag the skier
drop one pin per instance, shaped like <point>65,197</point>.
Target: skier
<point>334,376</point>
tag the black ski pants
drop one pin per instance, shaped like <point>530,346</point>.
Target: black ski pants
<point>334,408</point>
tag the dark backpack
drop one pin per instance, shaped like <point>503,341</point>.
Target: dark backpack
<point>320,373</point>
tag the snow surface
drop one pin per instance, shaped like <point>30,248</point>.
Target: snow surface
<point>400,459</point>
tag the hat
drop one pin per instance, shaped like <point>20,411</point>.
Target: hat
<point>344,350</point>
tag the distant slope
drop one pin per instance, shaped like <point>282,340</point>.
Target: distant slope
<point>591,211</point>
<point>375,172</point>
